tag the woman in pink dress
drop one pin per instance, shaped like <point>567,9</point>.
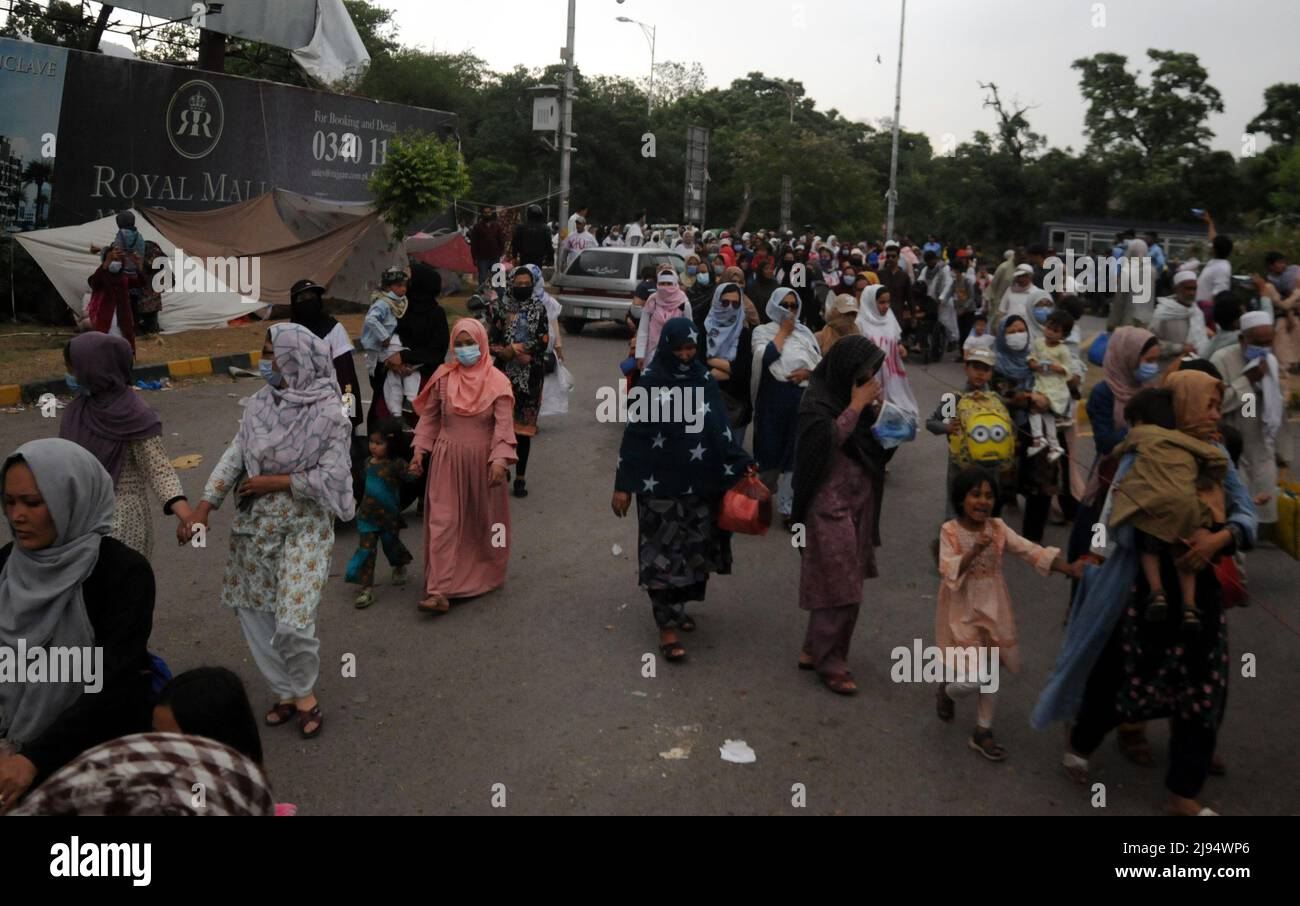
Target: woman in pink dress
<point>467,428</point>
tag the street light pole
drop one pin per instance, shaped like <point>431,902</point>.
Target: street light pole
<point>898,102</point>
<point>649,32</point>
<point>566,120</point>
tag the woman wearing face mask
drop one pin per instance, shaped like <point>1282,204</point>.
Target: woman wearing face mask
<point>737,276</point>
<point>291,468</point>
<point>726,348</point>
<point>518,334</point>
<point>1013,378</point>
<point>467,429</point>
<point>665,303</point>
<point>114,423</point>
<point>110,300</point>
<point>697,284</point>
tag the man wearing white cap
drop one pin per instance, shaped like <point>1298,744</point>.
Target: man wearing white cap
<point>1178,322</point>
<point>1021,298</point>
<point>1253,404</point>
<point>578,240</point>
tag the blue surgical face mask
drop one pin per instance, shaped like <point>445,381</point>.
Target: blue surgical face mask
<point>115,267</point>
<point>1040,315</point>
<point>1256,352</point>
<point>704,278</point>
<point>1146,371</point>
<point>692,270</point>
<point>468,355</point>
<point>269,374</point>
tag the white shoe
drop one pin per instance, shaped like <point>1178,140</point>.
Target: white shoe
<point>1054,454</point>
<point>1036,447</point>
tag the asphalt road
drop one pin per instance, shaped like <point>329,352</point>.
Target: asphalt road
<point>539,686</point>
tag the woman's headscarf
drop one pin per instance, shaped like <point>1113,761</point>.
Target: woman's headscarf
<point>664,304</point>
<point>1123,352</point>
<point>506,301</point>
<point>668,457</point>
<point>1012,363</point>
<point>723,324</point>
<point>688,279</point>
<point>872,324</point>
<point>827,396</point>
<point>470,389</point>
<point>155,774</point>
<point>40,591</point>
<point>308,309</point>
<point>112,415</point>
<point>735,275</point>
<point>300,428</point>
<point>1190,390</point>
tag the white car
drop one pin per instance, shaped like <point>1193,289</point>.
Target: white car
<point>599,283</point>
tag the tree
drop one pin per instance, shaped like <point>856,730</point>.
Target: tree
<point>40,174</point>
<point>1160,123</point>
<point>1280,119</point>
<point>1014,135</point>
<point>674,81</point>
<point>422,173</point>
<point>62,24</point>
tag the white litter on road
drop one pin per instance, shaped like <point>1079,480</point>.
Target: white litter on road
<point>737,751</point>
<point>617,550</point>
<point>676,753</point>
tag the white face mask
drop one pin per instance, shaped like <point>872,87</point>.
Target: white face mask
<point>1017,341</point>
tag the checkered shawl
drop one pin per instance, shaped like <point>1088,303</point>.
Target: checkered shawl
<point>154,774</point>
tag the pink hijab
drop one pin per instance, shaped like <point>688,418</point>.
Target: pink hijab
<point>1122,355</point>
<point>470,389</point>
<point>665,303</point>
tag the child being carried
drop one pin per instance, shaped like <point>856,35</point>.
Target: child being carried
<point>1050,360</point>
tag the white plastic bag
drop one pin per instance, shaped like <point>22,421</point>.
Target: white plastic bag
<point>894,425</point>
<point>555,392</point>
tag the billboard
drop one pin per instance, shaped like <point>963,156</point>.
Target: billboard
<point>134,134</point>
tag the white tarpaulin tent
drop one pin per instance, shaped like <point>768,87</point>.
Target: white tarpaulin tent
<point>65,257</point>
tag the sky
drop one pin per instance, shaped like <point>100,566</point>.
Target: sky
<point>1024,46</point>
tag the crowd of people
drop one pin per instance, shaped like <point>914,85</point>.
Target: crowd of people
<point>797,348</point>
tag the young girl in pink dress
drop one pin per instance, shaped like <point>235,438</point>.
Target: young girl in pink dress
<point>467,429</point>
<point>974,604</point>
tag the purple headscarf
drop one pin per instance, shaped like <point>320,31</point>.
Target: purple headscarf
<point>111,415</point>
<point>300,428</point>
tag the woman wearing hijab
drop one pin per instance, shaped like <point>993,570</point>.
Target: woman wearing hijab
<point>765,283</point>
<point>1022,298</point>
<point>737,276</point>
<point>843,322</point>
<point>291,466</point>
<point>156,774</point>
<point>665,303</point>
<point>423,328</point>
<point>112,421</point>
<point>518,336</point>
<point>467,428</point>
<point>64,583</point>
<point>307,307</point>
<point>1111,647</point>
<point>1133,269</point>
<point>726,351</point>
<point>785,352</point>
<point>839,463</point>
<point>679,478</point>
<point>878,323</point>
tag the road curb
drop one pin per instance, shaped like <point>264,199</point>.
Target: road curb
<point>13,394</point>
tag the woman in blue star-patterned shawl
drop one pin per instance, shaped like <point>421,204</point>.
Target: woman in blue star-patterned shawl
<point>678,461</point>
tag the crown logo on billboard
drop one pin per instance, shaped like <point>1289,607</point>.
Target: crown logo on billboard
<point>197,102</point>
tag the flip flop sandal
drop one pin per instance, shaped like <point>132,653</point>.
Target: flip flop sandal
<point>944,705</point>
<point>283,712</point>
<point>840,683</point>
<point>1076,766</point>
<point>428,607</point>
<point>686,624</point>
<point>806,661</point>
<point>982,742</point>
<point>306,717</point>
<point>1135,746</point>
<point>672,651</point>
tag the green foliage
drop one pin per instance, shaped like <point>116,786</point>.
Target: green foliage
<point>62,24</point>
<point>1248,254</point>
<point>421,174</point>
<point>1280,119</point>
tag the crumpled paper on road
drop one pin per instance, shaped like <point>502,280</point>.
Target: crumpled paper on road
<point>737,751</point>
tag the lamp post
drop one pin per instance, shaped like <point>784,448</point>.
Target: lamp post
<point>649,32</point>
<point>566,118</point>
<point>893,156</point>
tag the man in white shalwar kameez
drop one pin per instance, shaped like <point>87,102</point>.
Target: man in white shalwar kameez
<point>1179,323</point>
<point>1253,404</point>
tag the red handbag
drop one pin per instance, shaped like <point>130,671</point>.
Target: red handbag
<point>1230,585</point>
<point>747,507</point>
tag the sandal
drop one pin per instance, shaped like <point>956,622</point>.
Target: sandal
<point>806,661</point>
<point>1133,743</point>
<point>672,651</point>
<point>364,600</point>
<point>282,712</point>
<point>1157,607</point>
<point>944,705</point>
<point>1191,623</point>
<point>436,603</point>
<point>840,683</point>
<point>686,623</point>
<point>307,717</point>
<point>521,488</point>
<point>982,741</point>
<point>399,575</point>
<point>1076,766</point>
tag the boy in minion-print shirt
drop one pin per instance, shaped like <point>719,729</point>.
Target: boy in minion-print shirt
<point>976,422</point>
